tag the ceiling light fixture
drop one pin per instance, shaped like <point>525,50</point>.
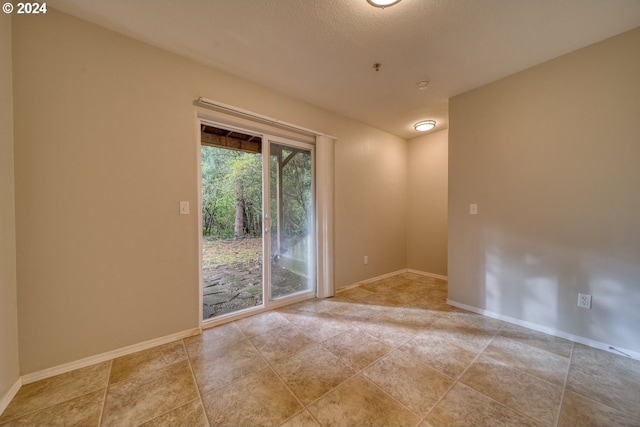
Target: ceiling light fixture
<point>382,3</point>
<point>425,125</point>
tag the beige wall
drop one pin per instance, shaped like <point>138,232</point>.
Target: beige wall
<point>105,149</point>
<point>551,156</point>
<point>370,206</point>
<point>427,203</point>
<point>9,371</point>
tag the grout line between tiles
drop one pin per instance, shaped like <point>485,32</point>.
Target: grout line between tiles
<point>195,383</point>
<point>164,367</point>
<point>19,415</point>
<point>152,370</point>
<point>171,410</point>
<point>295,415</point>
<point>564,387</point>
<point>486,395</point>
<point>503,404</point>
<point>457,379</point>
<point>106,391</point>
<point>356,373</point>
<point>533,374</point>
<point>270,366</point>
<point>390,396</point>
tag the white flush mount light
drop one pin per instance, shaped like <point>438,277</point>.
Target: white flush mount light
<point>382,3</point>
<point>425,125</point>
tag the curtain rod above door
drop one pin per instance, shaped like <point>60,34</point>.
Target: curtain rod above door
<point>225,107</point>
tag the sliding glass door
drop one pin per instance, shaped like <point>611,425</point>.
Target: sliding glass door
<point>258,224</point>
<point>291,209</point>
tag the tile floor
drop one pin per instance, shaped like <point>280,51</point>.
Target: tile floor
<point>386,353</point>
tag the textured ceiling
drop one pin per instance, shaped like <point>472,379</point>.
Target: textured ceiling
<point>323,51</point>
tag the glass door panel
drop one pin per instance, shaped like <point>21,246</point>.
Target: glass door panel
<point>292,236</point>
<point>232,206</point>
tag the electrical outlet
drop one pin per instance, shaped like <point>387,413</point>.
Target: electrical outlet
<point>366,260</point>
<point>584,300</point>
<point>473,209</point>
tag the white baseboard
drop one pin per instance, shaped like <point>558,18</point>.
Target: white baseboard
<point>92,360</point>
<point>9,395</point>
<point>424,273</point>
<point>550,331</point>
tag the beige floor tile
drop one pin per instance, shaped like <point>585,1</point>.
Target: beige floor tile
<point>316,306</point>
<point>414,288</point>
<point>605,359</point>
<point>148,396</point>
<point>516,389</point>
<point>51,391</point>
<point>323,305</point>
<point>392,334</point>
<point>83,411</point>
<point>388,300</point>
<point>385,288</point>
<point>463,334</point>
<point>213,342</point>
<point>476,321</point>
<point>428,304</point>
<point>312,373</point>
<point>411,316</point>
<point>431,293</point>
<point>318,326</point>
<point>427,291</point>
<point>261,323</point>
<point>549,343</point>
<point>388,282</point>
<point>355,311</point>
<point>578,410</point>
<point>303,419</point>
<point>376,286</point>
<point>353,294</point>
<point>590,356</point>
<point>412,276</point>
<point>356,348</point>
<point>142,362</point>
<point>260,399</point>
<point>213,338</point>
<point>543,364</point>
<point>605,377</point>
<point>281,343</point>
<point>463,406</point>
<point>430,280</point>
<point>406,379</point>
<point>359,403</point>
<point>189,415</point>
<point>219,367</point>
<point>398,279</point>
<point>438,351</point>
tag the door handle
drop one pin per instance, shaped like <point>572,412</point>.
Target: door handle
<point>267,223</point>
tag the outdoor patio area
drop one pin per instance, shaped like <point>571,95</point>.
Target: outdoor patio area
<point>232,276</point>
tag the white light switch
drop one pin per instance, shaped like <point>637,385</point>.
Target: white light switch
<point>473,209</point>
<point>184,208</point>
